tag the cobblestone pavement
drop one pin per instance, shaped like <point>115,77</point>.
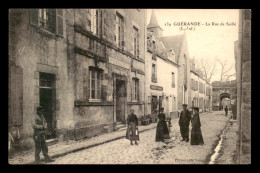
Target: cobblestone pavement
<point>62,148</point>
<point>148,151</point>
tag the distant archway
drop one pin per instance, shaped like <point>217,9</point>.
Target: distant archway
<point>221,97</point>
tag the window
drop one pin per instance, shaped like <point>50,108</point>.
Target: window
<point>95,84</point>
<point>94,23</point>
<point>48,19</point>
<point>135,89</point>
<point>136,42</point>
<point>154,75</point>
<point>173,80</point>
<point>119,31</point>
<point>191,83</point>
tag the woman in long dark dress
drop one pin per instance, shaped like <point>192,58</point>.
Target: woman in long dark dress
<point>196,135</point>
<point>162,131</point>
<point>132,128</point>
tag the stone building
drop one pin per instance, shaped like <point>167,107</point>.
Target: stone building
<point>178,43</point>
<point>38,73</point>
<point>243,75</point>
<point>161,72</point>
<point>222,90</point>
<point>200,89</point>
<point>177,67</point>
<point>85,66</point>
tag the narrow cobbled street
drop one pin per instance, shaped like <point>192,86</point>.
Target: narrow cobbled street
<point>148,151</point>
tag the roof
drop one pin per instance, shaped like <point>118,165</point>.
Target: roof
<point>153,21</point>
<point>173,42</point>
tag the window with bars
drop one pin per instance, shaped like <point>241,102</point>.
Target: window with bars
<point>135,89</point>
<point>48,19</point>
<point>136,42</point>
<point>95,84</point>
<point>119,31</point>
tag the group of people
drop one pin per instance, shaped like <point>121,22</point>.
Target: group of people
<point>132,133</point>
<point>162,130</point>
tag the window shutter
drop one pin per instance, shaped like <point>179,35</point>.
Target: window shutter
<point>132,90</point>
<point>138,91</point>
<point>94,22</point>
<point>34,16</point>
<point>59,22</point>
<point>101,24</point>
<point>138,40</point>
<point>103,88</point>
<point>132,43</point>
<point>156,73</point>
<point>122,33</point>
<point>16,96</point>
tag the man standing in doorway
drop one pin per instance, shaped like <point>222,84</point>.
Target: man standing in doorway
<point>39,126</point>
<point>184,123</point>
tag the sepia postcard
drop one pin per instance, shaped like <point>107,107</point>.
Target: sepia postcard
<point>129,86</point>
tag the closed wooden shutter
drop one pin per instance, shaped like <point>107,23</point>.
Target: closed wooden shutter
<point>59,19</point>
<point>122,33</point>
<point>138,40</point>
<point>16,100</point>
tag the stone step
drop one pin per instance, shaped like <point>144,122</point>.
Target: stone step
<point>121,127</point>
<point>50,142</point>
<point>107,129</point>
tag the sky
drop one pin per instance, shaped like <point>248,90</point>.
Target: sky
<point>203,41</point>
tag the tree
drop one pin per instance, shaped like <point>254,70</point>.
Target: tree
<point>226,70</point>
<point>207,66</point>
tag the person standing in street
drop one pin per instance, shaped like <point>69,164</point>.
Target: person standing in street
<point>196,135</point>
<point>39,126</point>
<point>184,122</point>
<point>162,131</point>
<point>132,132</point>
<point>226,110</point>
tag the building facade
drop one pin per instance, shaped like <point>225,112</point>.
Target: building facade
<point>161,72</point>
<point>222,90</point>
<point>85,66</point>
<point>200,89</point>
<point>243,74</point>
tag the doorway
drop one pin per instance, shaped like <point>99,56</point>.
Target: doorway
<point>154,105</point>
<point>47,101</point>
<point>120,100</point>
<point>160,102</point>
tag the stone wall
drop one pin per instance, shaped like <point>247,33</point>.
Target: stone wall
<point>244,88</point>
<point>37,50</point>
